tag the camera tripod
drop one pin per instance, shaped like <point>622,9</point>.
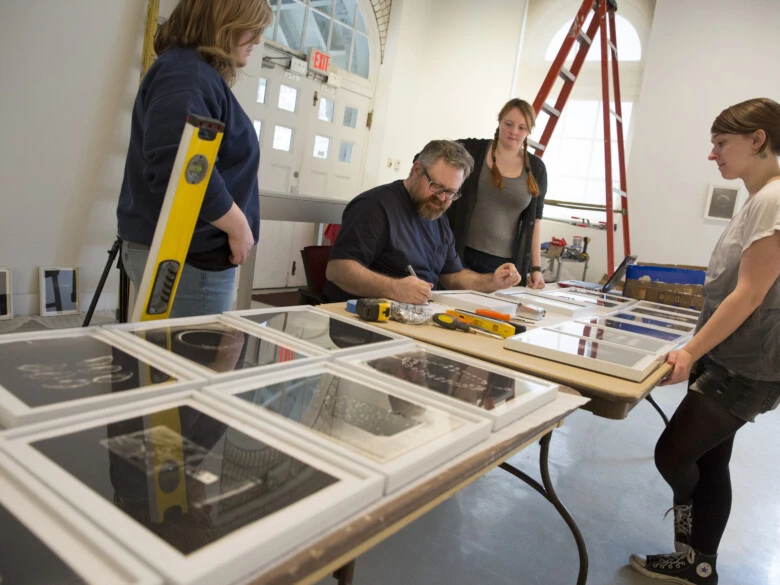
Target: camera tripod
<point>124,285</point>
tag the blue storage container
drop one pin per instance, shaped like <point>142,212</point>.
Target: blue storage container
<point>665,274</point>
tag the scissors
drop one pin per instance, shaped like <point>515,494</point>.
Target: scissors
<point>455,324</point>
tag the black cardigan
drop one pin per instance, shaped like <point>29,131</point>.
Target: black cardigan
<point>462,210</point>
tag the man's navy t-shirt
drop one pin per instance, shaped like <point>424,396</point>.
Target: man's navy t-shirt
<point>381,230</point>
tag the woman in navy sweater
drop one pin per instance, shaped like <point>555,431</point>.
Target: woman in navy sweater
<point>201,48</point>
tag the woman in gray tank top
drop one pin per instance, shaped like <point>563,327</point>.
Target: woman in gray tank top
<point>733,361</point>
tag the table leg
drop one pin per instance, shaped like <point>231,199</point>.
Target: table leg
<point>548,492</point>
<point>660,410</point>
<point>345,574</point>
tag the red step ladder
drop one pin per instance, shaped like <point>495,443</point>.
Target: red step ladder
<point>602,13</point>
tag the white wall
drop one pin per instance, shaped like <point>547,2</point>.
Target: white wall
<point>69,79</point>
<point>704,56</point>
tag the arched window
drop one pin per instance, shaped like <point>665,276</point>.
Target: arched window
<point>336,27</point>
<point>629,47</point>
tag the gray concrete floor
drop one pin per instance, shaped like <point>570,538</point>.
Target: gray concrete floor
<point>499,531</point>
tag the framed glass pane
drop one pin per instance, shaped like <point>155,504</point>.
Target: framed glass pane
<point>258,124</point>
<point>291,16</point>
<point>317,31</point>
<point>350,117</point>
<point>288,96</point>
<point>325,6</point>
<point>271,30</point>
<point>340,45</point>
<point>345,152</point>
<point>321,146</point>
<point>345,11</point>
<point>282,138</point>
<point>325,111</point>
<point>261,86</point>
<point>360,24</point>
<point>360,55</point>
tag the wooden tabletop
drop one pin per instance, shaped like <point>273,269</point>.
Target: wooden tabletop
<point>611,397</point>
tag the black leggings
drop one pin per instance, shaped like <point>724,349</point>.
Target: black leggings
<point>693,456</point>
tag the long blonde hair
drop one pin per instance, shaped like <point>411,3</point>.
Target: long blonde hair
<point>213,27</point>
<point>530,117</point>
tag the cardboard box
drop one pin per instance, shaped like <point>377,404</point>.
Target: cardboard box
<point>669,284</point>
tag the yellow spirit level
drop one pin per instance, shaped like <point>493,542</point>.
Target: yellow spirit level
<point>183,199</point>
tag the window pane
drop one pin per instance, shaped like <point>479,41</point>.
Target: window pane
<point>361,24</point>
<point>261,90</point>
<point>579,119</point>
<point>345,152</point>
<point>290,31</point>
<point>360,56</point>
<point>345,11</point>
<point>258,124</point>
<point>340,45</point>
<point>321,144</point>
<point>287,98</point>
<point>325,6</point>
<point>282,138</point>
<point>629,47</point>
<point>269,32</point>
<point>576,153</point>
<point>317,29</point>
<point>325,112</point>
<point>350,117</point>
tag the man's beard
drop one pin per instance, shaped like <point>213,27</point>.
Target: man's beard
<point>429,208</point>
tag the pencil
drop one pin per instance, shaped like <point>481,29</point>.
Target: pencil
<point>411,270</point>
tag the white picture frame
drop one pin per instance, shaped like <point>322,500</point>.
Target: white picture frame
<point>54,527</point>
<point>595,355</point>
<point>230,557</point>
<point>314,329</point>
<point>564,307</point>
<point>284,351</point>
<point>721,202</point>
<point>609,322</point>
<point>20,403</point>
<point>471,300</point>
<point>533,393</point>
<point>6,295</point>
<point>411,452</point>
<point>59,290</point>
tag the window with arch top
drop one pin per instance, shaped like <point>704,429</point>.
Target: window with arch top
<point>336,27</point>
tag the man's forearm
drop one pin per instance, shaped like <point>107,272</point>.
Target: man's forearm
<point>468,279</point>
<point>354,278</point>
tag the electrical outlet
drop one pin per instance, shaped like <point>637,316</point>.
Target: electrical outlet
<point>397,164</point>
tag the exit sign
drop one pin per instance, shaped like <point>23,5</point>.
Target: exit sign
<point>319,61</point>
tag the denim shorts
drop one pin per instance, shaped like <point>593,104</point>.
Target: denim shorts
<point>742,397</point>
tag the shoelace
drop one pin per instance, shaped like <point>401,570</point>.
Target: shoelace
<point>676,560</point>
<point>683,518</point>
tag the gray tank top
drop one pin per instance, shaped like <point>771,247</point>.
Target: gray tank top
<point>496,218</point>
<point>753,350</point>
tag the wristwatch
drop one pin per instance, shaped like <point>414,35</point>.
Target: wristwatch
<point>535,269</point>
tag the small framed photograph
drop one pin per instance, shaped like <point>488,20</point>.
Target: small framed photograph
<point>6,295</point>
<point>721,203</point>
<point>59,290</point>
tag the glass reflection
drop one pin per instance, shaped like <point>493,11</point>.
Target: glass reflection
<point>658,334</point>
<point>581,298</point>
<point>188,478</point>
<point>600,295</point>
<point>219,347</point>
<point>366,419</point>
<point>657,322</point>
<point>320,330</point>
<point>26,560</point>
<point>612,336</point>
<point>584,347</point>
<point>49,371</point>
<point>669,309</point>
<point>680,318</point>
<point>471,384</point>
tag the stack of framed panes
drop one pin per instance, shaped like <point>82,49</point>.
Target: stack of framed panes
<point>397,433</point>
<point>470,300</point>
<point>628,343</point>
<point>43,540</point>
<point>316,329</point>
<point>561,306</point>
<point>215,347</point>
<point>48,374</point>
<point>499,394</point>
<point>598,302</point>
<point>200,496</point>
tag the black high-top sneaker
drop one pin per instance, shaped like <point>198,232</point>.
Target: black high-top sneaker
<point>683,521</point>
<point>685,568</point>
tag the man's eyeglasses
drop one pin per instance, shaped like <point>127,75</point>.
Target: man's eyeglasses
<point>437,189</point>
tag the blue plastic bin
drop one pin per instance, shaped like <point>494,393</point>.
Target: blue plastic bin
<point>665,274</point>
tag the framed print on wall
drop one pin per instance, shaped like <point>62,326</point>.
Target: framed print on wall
<point>59,290</point>
<point>6,295</point>
<point>721,203</point>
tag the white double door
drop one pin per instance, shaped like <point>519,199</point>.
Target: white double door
<point>312,144</point>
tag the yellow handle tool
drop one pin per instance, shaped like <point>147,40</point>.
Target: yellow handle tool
<point>500,328</point>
